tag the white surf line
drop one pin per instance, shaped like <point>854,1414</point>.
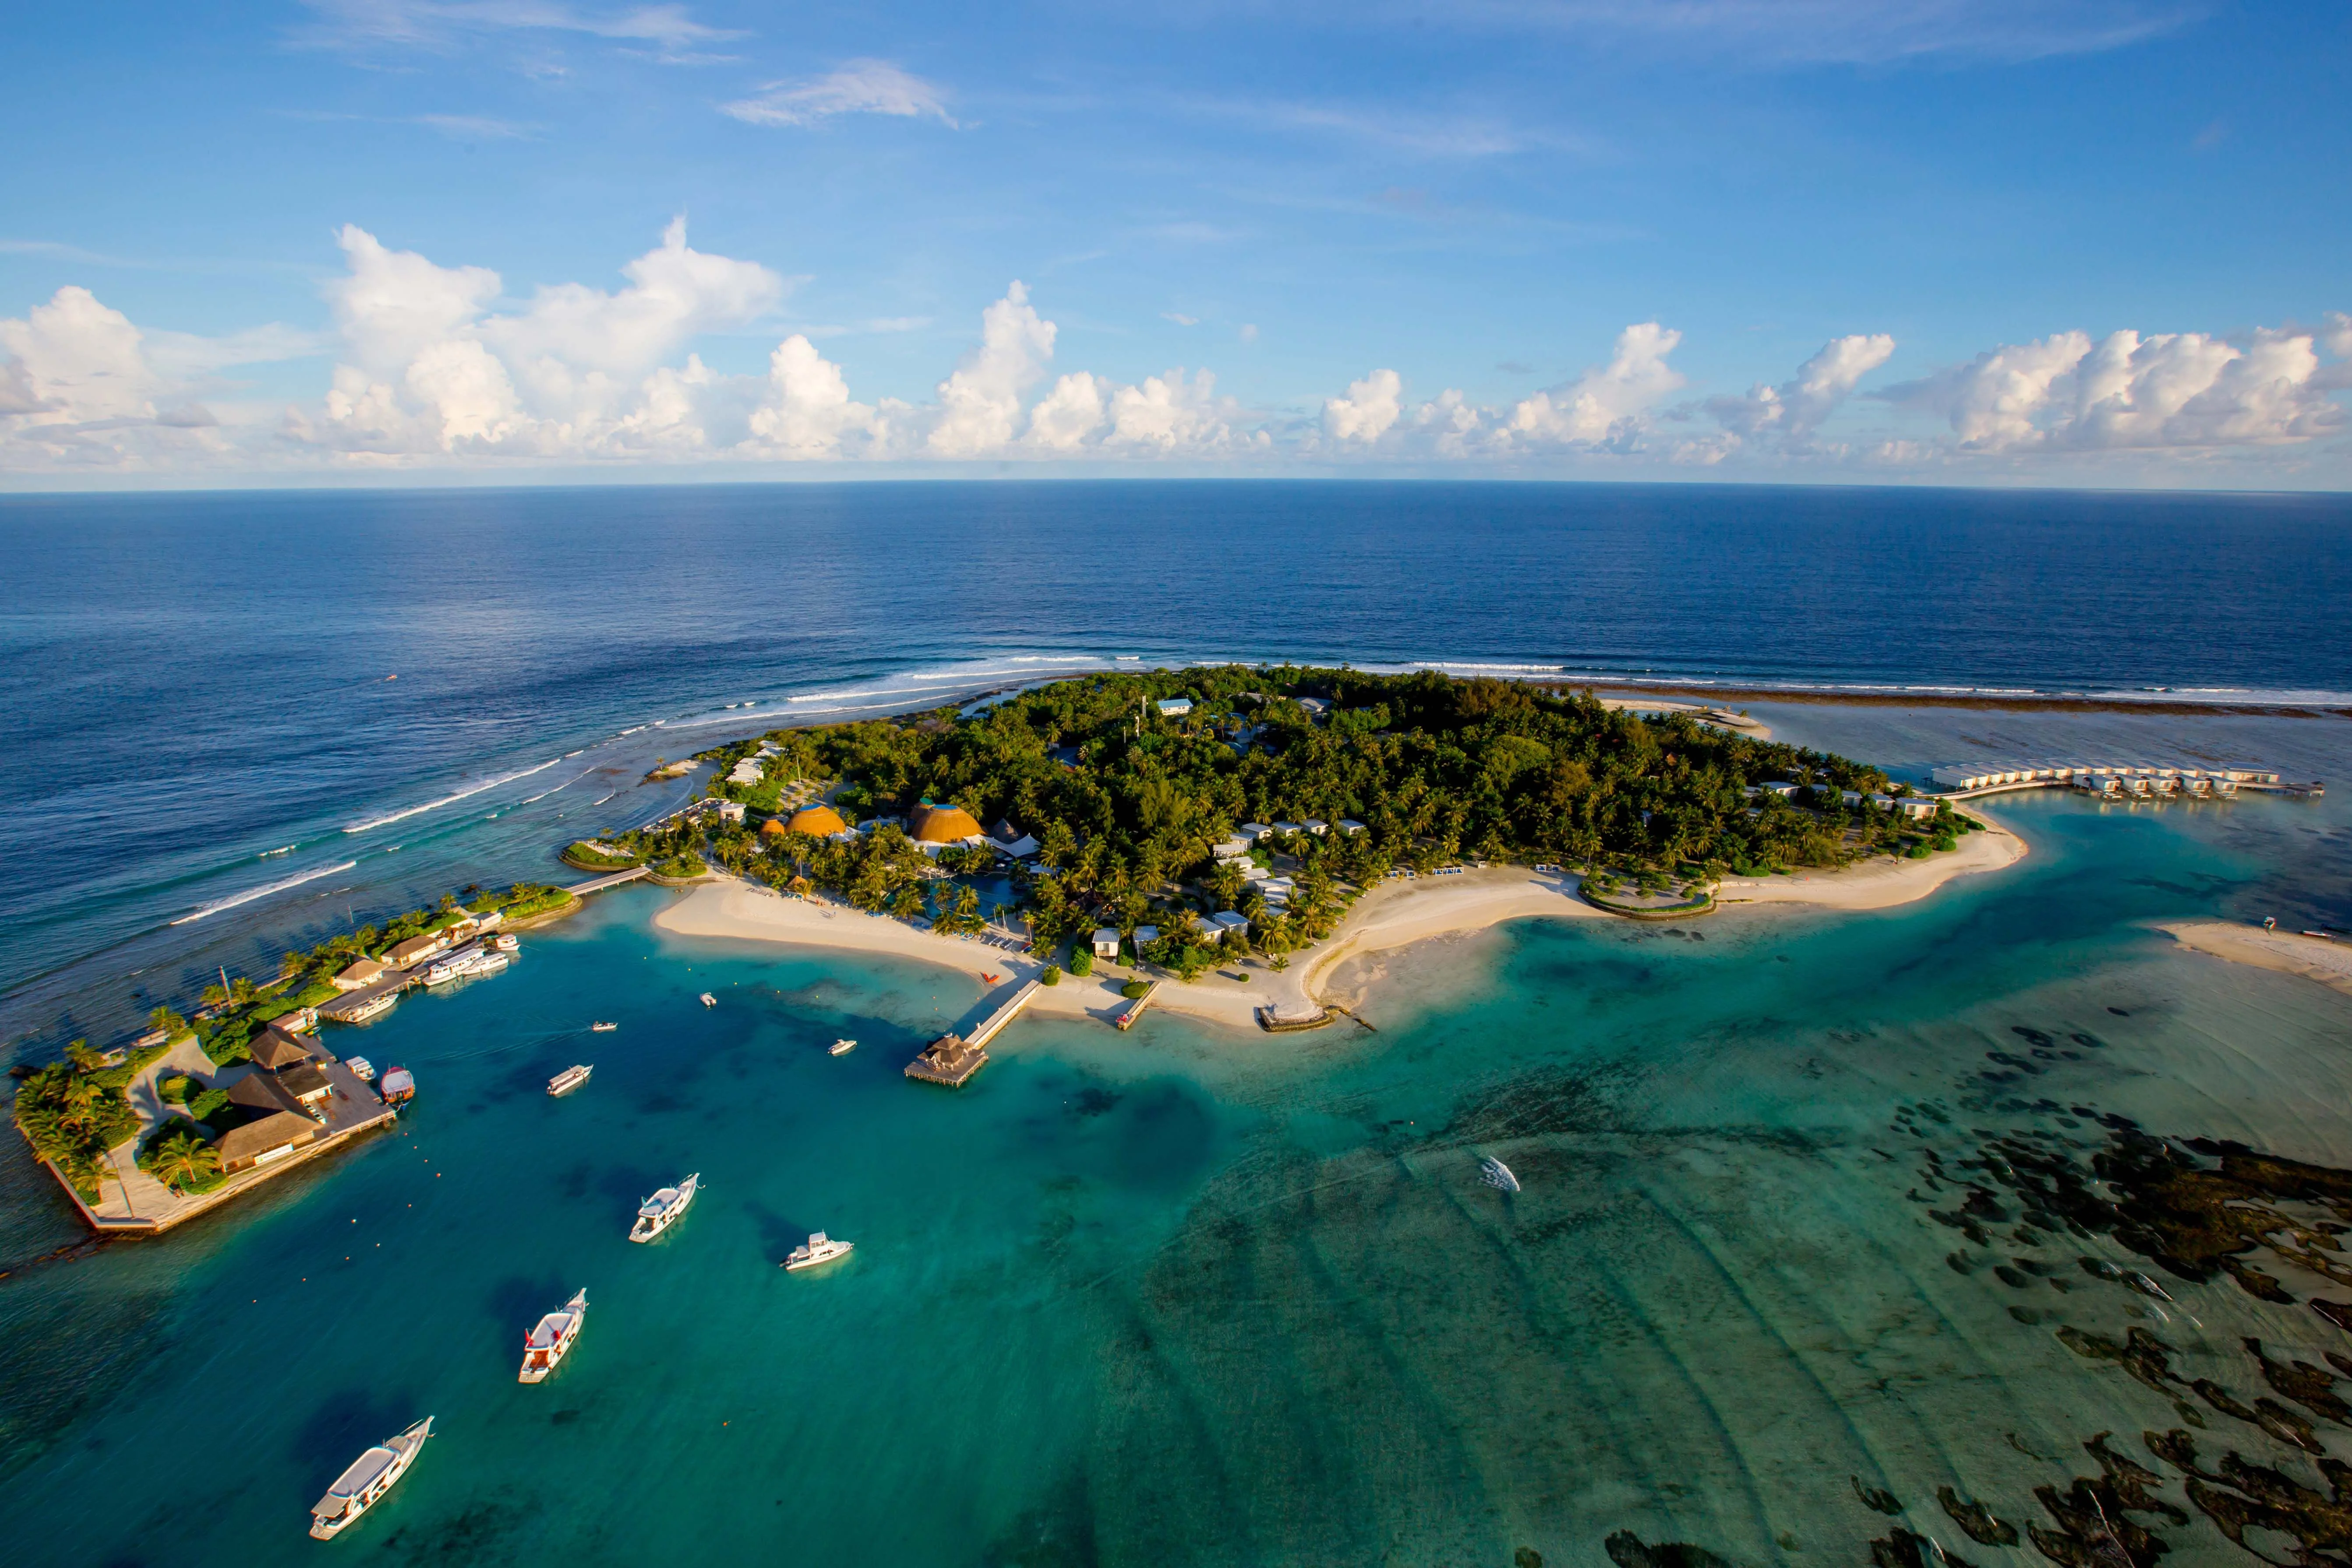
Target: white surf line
<point>386,821</point>
<point>566,785</point>
<point>247,897</point>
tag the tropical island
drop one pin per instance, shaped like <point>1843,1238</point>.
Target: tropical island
<point>1178,820</point>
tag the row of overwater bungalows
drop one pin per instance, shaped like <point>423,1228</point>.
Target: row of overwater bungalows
<point>2110,780</point>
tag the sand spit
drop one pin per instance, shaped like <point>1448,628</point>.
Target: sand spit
<point>2289,953</point>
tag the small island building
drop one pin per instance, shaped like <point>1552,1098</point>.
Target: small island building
<point>1106,942</point>
<point>818,821</point>
<point>358,972</point>
<point>937,827</point>
<point>261,1142</point>
<point>1175,707</point>
<point>416,949</point>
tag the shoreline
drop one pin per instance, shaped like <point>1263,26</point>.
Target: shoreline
<point>2282,952</point>
<point>2020,703</point>
<point>1389,916</point>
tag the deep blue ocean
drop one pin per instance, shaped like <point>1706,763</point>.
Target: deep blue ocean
<point>1175,1296</point>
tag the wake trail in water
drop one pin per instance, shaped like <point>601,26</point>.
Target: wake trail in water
<point>247,897</point>
<point>392,818</point>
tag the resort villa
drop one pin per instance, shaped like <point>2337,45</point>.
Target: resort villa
<point>937,827</point>
<point>1106,942</point>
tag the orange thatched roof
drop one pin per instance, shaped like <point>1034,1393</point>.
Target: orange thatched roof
<point>818,821</point>
<point>943,824</point>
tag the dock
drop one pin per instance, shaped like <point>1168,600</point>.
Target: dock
<point>1273,1022</point>
<point>1127,1015</point>
<point>953,1059</point>
<point>2117,781</point>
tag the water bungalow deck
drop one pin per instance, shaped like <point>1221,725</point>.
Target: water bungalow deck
<point>952,1059</point>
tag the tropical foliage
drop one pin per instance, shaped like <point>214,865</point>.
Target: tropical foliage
<point>180,1158</point>
<point>73,1111</point>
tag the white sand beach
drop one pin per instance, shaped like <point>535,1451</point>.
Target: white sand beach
<point>2319,958</point>
<point>1393,915</point>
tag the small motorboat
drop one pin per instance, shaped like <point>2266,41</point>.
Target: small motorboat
<point>361,1069</point>
<point>1496,1174</point>
<point>374,1007</point>
<point>543,1349</point>
<point>399,1086</point>
<point>821,1249</point>
<point>505,941</point>
<point>570,1079</point>
<point>708,1000</point>
<point>659,1212</point>
<point>363,1486</point>
<point>602,1027</point>
<point>842,1047</point>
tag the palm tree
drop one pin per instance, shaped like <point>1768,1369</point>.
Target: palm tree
<point>183,1159</point>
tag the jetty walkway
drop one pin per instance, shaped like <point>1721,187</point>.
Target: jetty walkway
<point>952,1059</point>
<point>598,884</point>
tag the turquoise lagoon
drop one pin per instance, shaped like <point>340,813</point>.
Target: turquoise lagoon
<point>1187,1296</point>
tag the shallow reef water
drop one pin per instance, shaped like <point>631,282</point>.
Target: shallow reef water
<point>1993,1230</point>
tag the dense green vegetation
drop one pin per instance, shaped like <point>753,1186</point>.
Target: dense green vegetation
<point>72,1111</point>
<point>1130,805</point>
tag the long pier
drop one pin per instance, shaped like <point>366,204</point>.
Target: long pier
<point>598,884</point>
<point>2114,781</point>
<point>952,1059</point>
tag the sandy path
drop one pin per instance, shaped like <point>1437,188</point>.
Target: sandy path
<point>2313,957</point>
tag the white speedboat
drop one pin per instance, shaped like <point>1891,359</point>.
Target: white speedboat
<point>361,1069</point>
<point>481,961</point>
<point>570,1079</point>
<point>842,1047</point>
<point>443,973</point>
<point>659,1212</point>
<point>505,941</point>
<point>544,1348</point>
<point>821,1249</point>
<point>602,1027</point>
<point>1496,1174</point>
<point>708,1000</point>
<point>371,1476</point>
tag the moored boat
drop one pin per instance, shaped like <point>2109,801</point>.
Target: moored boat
<point>363,1486</point>
<point>1496,1174</point>
<point>444,972</point>
<point>659,1212</point>
<point>505,941</point>
<point>361,1069</point>
<point>374,1007</point>
<point>398,1087</point>
<point>544,1348</point>
<point>842,1047</point>
<point>570,1079</point>
<point>821,1249</point>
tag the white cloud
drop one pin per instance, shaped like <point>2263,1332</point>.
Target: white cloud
<point>1792,411</point>
<point>1370,407</point>
<point>1181,319</point>
<point>1165,417</point>
<point>1069,414</point>
<point>979,404</point>
<point>2174,391</point>
<point>76,361</point>
<point>1604,405</point>
<point>858,87</point>
<point>1855,32</point>
<point>807,411</point>
<point>435,24</point>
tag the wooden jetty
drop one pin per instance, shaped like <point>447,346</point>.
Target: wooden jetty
<point>1134,1010</point>
<point>952,1059</point>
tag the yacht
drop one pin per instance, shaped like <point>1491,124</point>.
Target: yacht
<point>1496,1174</point>
<point>602,1027</point>
<point>570,1079</point>
<point>659,1212</point>
<point>842,1047</point>
<point>446,969</point>
<point>361,1069</point>
<point>544,1348</point>
<point>481,961</point>
<point>821,1249</point>
<point>505,941</point>
<point>376,1006</point>
<point>708,1000</point>
<point>371,1476</point>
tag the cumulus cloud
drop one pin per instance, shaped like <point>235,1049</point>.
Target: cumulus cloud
<point>1370,407</point>
<point>1068,416</point>
<point>1604,407</point>
<point>807,412</point>
<point>1792,411</point>
<point>1163,416</point>
<point>979,404</point>
<point>858,87</point>
<point>2169,391</point>
<point>430,366</point>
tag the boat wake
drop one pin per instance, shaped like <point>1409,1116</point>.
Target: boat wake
<point>250,895</point>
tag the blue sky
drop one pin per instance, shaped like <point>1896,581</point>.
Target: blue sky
<point>2072,241</point>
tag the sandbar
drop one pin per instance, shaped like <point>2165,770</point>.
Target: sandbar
<point>2289,953</point>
